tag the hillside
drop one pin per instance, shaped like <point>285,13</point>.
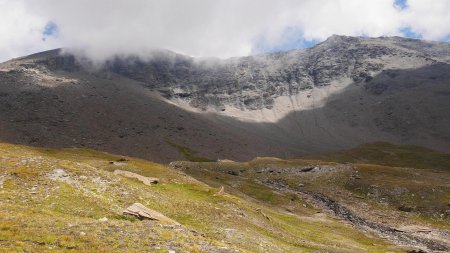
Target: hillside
<point>66,200</point>
<point>408,206</point>
<point>342,93</point>
<point>384,153</point>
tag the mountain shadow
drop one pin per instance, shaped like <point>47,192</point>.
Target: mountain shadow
<point>116,114</point>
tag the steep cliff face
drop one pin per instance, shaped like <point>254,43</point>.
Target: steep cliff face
<point>254,82</point>
<point>338,94</point>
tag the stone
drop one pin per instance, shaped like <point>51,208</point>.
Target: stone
<point>259,210</point>
<point>233,173</point>
<point>414,229</point>
<point>118,163</point>
<point>143,213</point>
<point>60,174</point>
<point>406,209</point>
<point>220,192</point>
<point>416,251</point>
<point>145,180</point>
<point>104,219</point>
<point>306,169</point>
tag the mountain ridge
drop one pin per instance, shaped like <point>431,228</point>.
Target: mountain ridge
<point>341,93</point>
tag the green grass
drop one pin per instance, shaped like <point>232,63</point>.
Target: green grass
<point>384,153</point>
<point>189,154</point>
<point>385,189</point>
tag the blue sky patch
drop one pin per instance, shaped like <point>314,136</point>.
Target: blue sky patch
<point>50,30</point>
<point>292,38</point>
<point>446,38</point>
<point>401,4</point>
<point>409,33</point>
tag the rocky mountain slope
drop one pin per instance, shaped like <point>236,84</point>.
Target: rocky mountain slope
<point>165,106</point>
<point>256,82</point>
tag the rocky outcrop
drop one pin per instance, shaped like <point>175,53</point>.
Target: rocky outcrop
<point>145,180</point>
<point>144,213</point>
<point>254,82</point>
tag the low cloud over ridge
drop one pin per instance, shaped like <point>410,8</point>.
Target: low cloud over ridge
<point>219,28</point>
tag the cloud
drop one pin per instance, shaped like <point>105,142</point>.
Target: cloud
<point>20,33</point>
<point>220,28</point>
<point>430,19</point>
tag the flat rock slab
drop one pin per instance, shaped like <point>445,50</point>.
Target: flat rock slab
<point>414,229</point>
<point>145,180</point>
<point>142,212</point>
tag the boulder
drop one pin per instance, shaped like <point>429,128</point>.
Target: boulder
<point>307,169</point>
<point>145,180</point>
<point>143,213</point>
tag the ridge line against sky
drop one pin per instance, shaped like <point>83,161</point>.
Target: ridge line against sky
<point>219,28</point>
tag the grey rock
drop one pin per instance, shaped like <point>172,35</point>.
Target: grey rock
<point>145,180</point>
<point>254,82</point>
<point>104,219</point>
<point>142,212</point>
<point>60,174</point>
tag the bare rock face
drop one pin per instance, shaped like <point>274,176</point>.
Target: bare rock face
<point>145,180</point>
<point>255,82</point>
<point>141,212</point>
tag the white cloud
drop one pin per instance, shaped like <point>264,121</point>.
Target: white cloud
<point>20,33</point>
<point>430,18</point>
<point>219,28</point>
